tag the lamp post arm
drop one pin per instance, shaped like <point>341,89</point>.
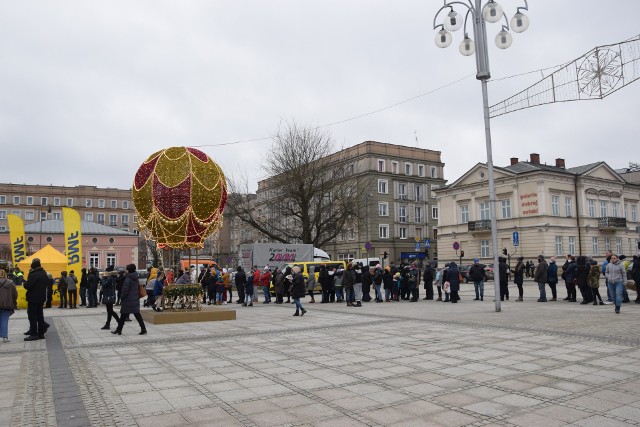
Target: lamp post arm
<point>469,7</point>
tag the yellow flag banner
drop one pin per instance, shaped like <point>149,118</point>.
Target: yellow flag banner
<point>72,238</point>
<point>18,241</point>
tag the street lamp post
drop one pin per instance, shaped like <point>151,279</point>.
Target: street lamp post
<point>480,15</point>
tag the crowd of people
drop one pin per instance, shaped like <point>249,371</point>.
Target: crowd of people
<point>352,285</point>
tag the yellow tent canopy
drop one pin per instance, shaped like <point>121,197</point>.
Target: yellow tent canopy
<point>52,260</point>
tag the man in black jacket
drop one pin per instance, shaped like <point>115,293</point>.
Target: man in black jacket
<point>477,274</point>
<point>36,286</point>
<point>429,275</point>
<point>240,279</point>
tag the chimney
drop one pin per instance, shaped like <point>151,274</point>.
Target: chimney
<point>560,163</point>
<point>535,158</point>
<point>514,161</point>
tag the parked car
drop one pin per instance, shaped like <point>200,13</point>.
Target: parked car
<point>464,271</point>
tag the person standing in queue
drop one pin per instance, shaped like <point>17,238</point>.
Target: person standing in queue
<point>130,300</point>
<point>518,277</point>
<point>109,297</point>
<point>8,303</point>
<point>36,286</point>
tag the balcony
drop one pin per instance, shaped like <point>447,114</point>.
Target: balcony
<point>482,226</point>
<point>612,223</point>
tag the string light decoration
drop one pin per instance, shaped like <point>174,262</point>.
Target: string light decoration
<point>179,194</point>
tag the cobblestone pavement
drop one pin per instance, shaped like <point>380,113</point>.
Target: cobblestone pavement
<point>393,364</point>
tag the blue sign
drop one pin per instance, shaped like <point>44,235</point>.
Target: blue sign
<point>427,243</point>
<point>412,255</point>
<point>417,246</point>
<point>516,238</point>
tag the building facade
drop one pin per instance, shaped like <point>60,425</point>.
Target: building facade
<point>102,245</point>
<point>107,206</point>
<point>584,210</point>
<point>400,206</point>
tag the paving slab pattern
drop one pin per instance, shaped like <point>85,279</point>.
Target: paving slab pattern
<point>409,364</point>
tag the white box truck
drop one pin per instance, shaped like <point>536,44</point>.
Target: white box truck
<point>273,254</point>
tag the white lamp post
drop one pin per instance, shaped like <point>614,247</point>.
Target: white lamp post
<point>491,12</point>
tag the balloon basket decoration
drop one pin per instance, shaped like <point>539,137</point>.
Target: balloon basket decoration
<point>179,195</point>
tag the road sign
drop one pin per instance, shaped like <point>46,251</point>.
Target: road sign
<point>368,246</point>
<point>417,246</point>
<point>516,238</point>
<point>427,243</point>
<point>456,246</point>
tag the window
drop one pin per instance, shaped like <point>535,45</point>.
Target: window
<point>555,205</point>
<point>3,228</point>
<point>88,216</point>
<point>30,200</point>
<point>56,201</point>
<point>419,232</point>
<point>402,191</point>
<point>464,214</point>
<point>421,171</point>
<point>111,259</point>
<point>417,189</point>
<point>69,202</point>
<point>352,170</point>
<point>434,212</point>
<point>559,250</point>
<point>408,169</point>
<point>592,208</point>
<point>44,201</point>
<point>16,200</point>
<point>100,218</point>
<point>113,220</point>
<point>484,248</point>
<point>382,186</point>
<point>88,203</point>
<point>3,214</point>
<point>615,210</point>
<point>607,244</point>
<point>402,232</point>
<point>352,234</point>
<point>380,165</point>
<point>418,214</point>
<point>434,187</point>
<point>626,211</point>
<point>28,215</point>
<point>484,211</point>
<point>3,200</point>
<point>125,204</point>
<point>572,245</point>
<point>383,231</point>
<point>383,209</point>
<point>568,207</point>
<point>57,215</point>
<point>17,213</point>
<point>94,260</point>
<point>618,245</point>
<point>114,204</point>
<point>402,214</point>
<point>125,219</point>
<point>603,208</point>
<point>594,246</point>
<point>43,215</point>
<point>506,208</point>
<point>434,172</point>
<point>395,167</point>
<point>135,218</point>
<point>101,204</point>
<point>634,213</point>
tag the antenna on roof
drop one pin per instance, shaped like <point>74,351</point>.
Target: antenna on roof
<point>415,133</point>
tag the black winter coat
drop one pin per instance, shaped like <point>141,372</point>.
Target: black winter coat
<point>297,286</point>
<point>130,298</point>
<point>109,287</point>
<point>36,286</point>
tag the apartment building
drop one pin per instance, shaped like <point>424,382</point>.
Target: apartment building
<point>106,206</point>
<point>584,210</point>
<point>401,213</point>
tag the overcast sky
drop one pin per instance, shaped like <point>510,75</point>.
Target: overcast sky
<point>89,89</point>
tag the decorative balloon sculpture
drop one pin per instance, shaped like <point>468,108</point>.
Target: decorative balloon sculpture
<point>179,195</point>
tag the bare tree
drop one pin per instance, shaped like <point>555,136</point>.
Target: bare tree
<point>309,195</point>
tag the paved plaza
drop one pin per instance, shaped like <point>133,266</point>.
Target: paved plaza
<point>392,364</point>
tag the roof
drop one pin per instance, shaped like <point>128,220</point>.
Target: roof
<point>579,170</point>
<point>56,226</point>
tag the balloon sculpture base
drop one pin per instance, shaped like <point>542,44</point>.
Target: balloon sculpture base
<point>204,315</point>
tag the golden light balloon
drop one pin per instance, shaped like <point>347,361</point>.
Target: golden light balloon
<point>179,195</point>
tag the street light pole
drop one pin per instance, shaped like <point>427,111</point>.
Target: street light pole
<point>491,12</point>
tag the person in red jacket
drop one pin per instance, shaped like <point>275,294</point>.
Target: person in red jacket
<point>265,281</point>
